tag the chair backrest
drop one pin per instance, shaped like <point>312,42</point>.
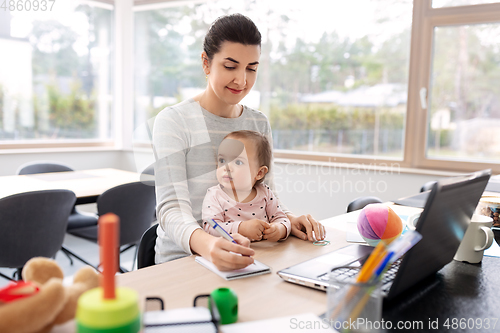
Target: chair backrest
<point>148,175</point>
<point>150,170</point>
<point>33,224</point>
<point>146,251</point>
<point>360,203</point>
<point>42,167</point>
<point>134,203</point>
<point>428,186</point>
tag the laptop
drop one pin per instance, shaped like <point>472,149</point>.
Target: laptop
<point>442,224</point>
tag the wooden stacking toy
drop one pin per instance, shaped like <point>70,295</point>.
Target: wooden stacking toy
<point>108,309</point>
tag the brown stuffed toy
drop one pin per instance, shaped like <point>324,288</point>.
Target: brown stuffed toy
<point>53,304</point>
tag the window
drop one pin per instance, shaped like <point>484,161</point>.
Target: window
<point>411,81</point>
<point>339,80</point>
<point>55,73</point>
<point>333,79</point>
<point>464,106</point>
<point>456,73</point>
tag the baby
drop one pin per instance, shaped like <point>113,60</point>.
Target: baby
<point>241,202</point>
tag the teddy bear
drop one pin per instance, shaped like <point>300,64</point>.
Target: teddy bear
<point>52,304</point>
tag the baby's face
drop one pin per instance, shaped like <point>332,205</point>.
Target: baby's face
<point>237,163</point>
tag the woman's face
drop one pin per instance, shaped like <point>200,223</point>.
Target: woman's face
<point>233,71</point>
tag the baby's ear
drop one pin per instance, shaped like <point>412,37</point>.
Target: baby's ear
<point>262,172</point>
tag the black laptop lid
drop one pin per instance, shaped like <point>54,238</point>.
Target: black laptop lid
<point>442,225</point>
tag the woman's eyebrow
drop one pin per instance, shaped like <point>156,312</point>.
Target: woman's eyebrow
<point>237,62</point>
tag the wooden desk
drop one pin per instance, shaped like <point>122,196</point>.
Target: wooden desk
<point>260,297</point>
<point>459,290</point>
<point>87,184</point>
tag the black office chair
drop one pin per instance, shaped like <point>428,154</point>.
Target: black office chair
<point>146,249</point>
<point>134,203</point>
<point>428,186</point>
<point>360,203</point>
<point>76,219</point>
<point>150,170</point>
<point>32,224</point>
<point>42,167</point>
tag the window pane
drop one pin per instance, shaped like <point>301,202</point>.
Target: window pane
<point>332,80</point>
<point>464,114</point>
<point>452,3</point>
<point>55,72</point>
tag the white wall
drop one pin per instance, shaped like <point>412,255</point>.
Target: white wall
<point>319,190</point>
<point>78,160</point>
<point>324,191</point>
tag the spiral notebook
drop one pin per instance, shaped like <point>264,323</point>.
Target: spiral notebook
<point>257,268</point>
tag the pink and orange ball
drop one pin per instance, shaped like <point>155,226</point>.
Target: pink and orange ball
<point>378,222</point>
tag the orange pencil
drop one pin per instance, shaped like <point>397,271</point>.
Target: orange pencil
<point>108,246</point>
<point>373,260</point>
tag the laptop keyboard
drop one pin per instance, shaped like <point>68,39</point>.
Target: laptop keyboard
<point>348,273</point>
<point>340,274</point>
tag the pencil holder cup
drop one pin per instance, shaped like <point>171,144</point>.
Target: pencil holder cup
<point>353,306</point>
<point>226,301</point>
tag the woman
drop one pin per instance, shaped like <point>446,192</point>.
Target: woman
<point>186,137</point>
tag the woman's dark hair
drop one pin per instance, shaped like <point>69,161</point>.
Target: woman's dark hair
<point>235,28</point>
<point>264,152</point>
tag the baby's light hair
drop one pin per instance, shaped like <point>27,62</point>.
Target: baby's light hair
<point>264,153</point>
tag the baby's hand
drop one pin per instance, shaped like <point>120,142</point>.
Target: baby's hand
<point>275,232</point>
<point>253,229</point>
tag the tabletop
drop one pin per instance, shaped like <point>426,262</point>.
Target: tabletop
<point>85,183</point>
<point>260,297</point>
<point>459,294</point>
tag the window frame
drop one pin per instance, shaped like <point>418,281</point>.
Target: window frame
<point>422,47</point>
<point>115,142</point>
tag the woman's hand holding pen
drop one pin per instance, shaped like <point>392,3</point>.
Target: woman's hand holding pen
<point>226,255</point>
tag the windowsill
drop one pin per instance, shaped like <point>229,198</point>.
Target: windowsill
<point>34,150</point>
<point>390,166</point>
<point>369,167</point>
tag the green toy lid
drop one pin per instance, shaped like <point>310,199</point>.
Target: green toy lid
<point>226,301</point>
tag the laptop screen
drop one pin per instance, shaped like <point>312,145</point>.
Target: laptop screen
<point>442,225</point>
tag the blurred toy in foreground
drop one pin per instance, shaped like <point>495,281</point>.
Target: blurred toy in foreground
<point>107,309</point>
<point>41,301</point>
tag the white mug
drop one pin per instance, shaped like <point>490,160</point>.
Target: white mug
<point>412,220</point>
<point>478,238</point>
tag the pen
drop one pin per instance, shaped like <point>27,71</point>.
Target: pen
<point>383,264</point>
<point>221,231</point>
